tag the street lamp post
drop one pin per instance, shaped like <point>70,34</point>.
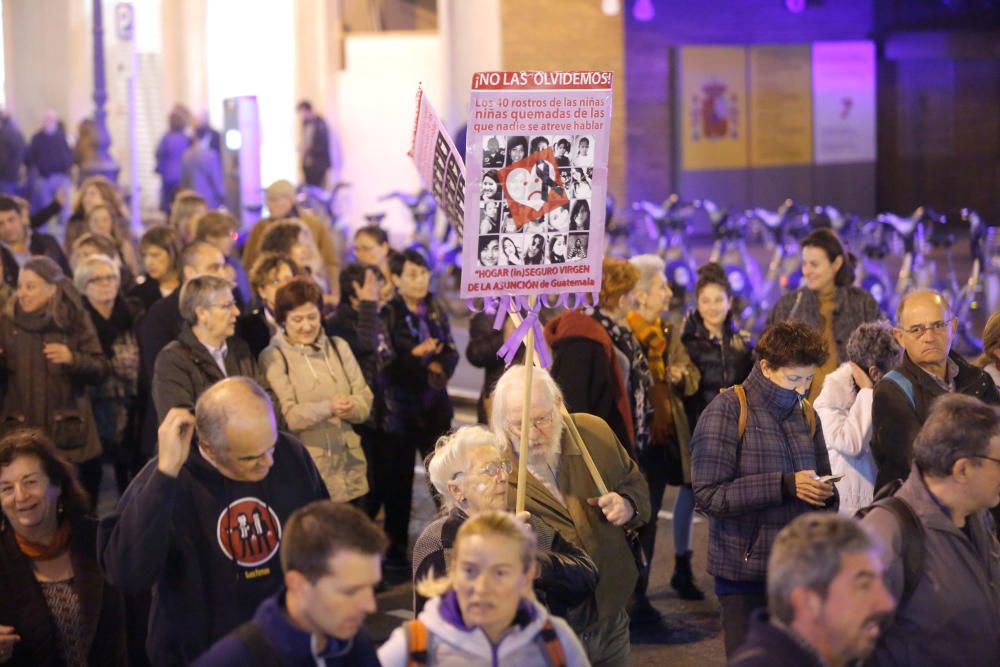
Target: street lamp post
<point>101,163</point>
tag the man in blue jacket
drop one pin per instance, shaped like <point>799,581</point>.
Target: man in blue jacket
<point>332,558</point>
<point>202,526</point>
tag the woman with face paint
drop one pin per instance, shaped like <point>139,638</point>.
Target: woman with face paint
<point>483,611</point>
<point>752,484</point>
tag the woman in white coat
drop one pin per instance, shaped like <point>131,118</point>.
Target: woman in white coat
<point>320,388</point>
<point>844,407</point>
<point>484,613</point>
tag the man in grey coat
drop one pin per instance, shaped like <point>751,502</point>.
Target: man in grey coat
<point>951,615</point>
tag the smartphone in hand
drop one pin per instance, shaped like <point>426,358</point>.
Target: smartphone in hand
<point>832,479</point>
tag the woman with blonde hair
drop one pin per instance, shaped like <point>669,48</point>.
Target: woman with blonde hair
<point>93,192</point>
<point>991,348</point>
<point>102,220</point>
<point>484,611</point>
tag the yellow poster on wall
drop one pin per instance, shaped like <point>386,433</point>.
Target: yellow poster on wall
<point>713,107</point>
<point>781,131</point>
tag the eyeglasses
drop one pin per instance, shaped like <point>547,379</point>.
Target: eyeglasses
<point>541,423</point>
<point>493,469</point>
<point>921,329</point>
<point>224,306</point>
<point>102,280</point>
<point>983,456</point>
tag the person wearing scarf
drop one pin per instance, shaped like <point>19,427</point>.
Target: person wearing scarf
<point>50,356</point>
<point>667,459</point>
<point>55,606</point>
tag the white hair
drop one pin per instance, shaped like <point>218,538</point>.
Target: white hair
<point>649,266</point>
<point>85,269</point>
<point>543,388</point>
<point>451,455</point>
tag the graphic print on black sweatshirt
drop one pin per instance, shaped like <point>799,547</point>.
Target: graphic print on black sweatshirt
<point>249,532</point>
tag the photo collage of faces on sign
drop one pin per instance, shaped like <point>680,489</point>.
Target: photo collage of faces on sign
<point>558,236</point>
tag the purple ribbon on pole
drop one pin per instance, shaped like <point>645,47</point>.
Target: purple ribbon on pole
<point>529,323</point>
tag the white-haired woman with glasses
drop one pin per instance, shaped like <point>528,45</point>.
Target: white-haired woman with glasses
<point>98,279</point>
<point>469,469</point>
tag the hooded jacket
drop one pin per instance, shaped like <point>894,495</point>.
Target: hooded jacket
<point>450,643</point>
<point>292,644</point>
<point>586,367</point>
<point>846,414</point>
<point>304,378</point>
<point>209,545</point>
<point>953,614</point>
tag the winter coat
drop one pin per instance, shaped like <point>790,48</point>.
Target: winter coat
<point>587,368</point>
<point>846,414</point>
<point>953,614</point>
<point>201,171</point>
<point>721,362</point>
<point>896,421</point>
<point>584,524</point>
<point>291,643</point>
<point>566,574</point>
<point>170,154</point>
<point>769,645</point>
<point>23,605</point>
<point>40,393</point>
<point>450,643</point>
<point>208,544</point>
<point>305,378</point>
<point>853,307</point>
<point>746,487</point>
<point>415,400</point>
<point>185,369</point>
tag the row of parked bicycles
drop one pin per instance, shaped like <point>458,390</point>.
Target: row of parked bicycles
<point>895,252</point>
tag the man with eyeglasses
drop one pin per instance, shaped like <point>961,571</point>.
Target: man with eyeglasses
<point>177,529</point>
<point>951,614</point>
<point>561,491</point>
<point>925,328</point>
<point>206,351</point>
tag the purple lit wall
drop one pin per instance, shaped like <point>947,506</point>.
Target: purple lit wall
<point>652,79</point>
<point>938,92</point>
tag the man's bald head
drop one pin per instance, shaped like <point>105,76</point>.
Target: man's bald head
<point>922,297</point>
<point>236,428</point>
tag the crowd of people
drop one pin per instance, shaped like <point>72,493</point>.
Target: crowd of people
<point>262,405</point>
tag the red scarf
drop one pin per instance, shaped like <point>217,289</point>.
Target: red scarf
<point>55,548</point>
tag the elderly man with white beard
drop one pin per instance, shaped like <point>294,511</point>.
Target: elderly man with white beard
<point>561,491</point>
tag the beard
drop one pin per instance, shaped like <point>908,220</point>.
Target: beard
<point>550,451</point>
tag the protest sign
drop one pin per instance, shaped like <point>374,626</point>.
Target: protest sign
<point>438,162</point>
<point>537,155</point>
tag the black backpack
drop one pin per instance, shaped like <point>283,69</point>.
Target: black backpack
<point>912,534</point>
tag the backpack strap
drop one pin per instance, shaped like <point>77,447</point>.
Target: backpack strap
<point>547,637</point>
<point>810,415</point>
<point>263,652</point>
<point>912,534</point>
<point>416,635</point>
<point>741,425</point>
<point>912,538</point>
<point>904,385</point>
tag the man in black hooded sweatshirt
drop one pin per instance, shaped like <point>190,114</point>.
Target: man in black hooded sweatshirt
<point>177,526</point>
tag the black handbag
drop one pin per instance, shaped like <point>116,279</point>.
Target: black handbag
<point>69,429</point>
